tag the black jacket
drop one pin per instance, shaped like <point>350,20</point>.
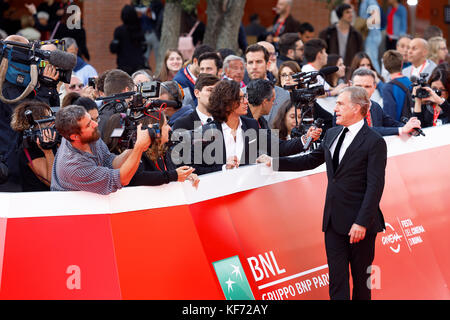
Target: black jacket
<point>261,141</point>
<point>427,115</point>
<point>354,191</point>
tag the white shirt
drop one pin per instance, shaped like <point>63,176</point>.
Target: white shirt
<point>350,135</point>
<point>203,117</point>
<point>320,80</point>
<point>233,147</point>
<point>416,71</point>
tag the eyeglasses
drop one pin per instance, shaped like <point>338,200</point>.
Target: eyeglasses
<point>73,86</point>
<point>243,98</point>
<point>286,75</point>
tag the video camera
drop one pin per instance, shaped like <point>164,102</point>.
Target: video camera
<point>64,75</point>
<point>422,83</point>
<point>303,95</point>
<point>134,106</point>
<point>22,65</point>
<point>35,132</point>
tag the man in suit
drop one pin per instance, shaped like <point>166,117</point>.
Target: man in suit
<point>257,63</point>
<point>355,158</point>
<point>203,88</point>
<point>380,121</point>
<point>417,55</point>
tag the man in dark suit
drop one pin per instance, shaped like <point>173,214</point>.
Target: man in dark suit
<point>355,158</point>
<point>200,115</point>
<point>379,120</point>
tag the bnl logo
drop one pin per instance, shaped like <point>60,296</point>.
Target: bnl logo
<point>232,279</point>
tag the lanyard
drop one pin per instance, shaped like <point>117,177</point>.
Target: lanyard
<point>435,115</point>
<point>186,73</point>
<point>156,163</point>
<point>280,26</point>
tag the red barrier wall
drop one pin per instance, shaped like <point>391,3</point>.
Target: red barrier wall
<point>161,242</point>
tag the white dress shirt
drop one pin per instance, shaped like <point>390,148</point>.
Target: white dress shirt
<point>351,134</point>
<point>203,117</point>
<point>233,147</point>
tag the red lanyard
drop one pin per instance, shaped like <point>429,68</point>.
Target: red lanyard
<point>156,163</point>
<point>280,26</point>
<point>186,73</point>
<point>369,119</point>
<point>435,115</point>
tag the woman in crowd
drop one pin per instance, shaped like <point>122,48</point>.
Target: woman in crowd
<point>173,62</point>
<point>285,72</point>
<point>37,152</point>
<point>362,60</point>
<point>338,77</point>
<point>438,49</point>
<point>435,109</point>
<point>156,166</point>
<point>284,121</point>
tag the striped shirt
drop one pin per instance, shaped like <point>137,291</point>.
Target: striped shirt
<point>76,170</point>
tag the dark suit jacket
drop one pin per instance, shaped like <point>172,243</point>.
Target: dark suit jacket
<point>262,145</point>
<point>187,121</point>
<point>381,121</point>
<point>354,42</point>
<point>355,189</point>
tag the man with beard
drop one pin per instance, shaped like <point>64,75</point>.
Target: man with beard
<point>83,161</point>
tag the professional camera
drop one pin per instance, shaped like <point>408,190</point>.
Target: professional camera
<point>134,106</point>
<point>64,75</point>
<point>22,63</point>
<point>35,132</point>
<point>303,96</point>
<point>422,83</point>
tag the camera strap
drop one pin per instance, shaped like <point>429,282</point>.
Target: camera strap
<point>30,87</point>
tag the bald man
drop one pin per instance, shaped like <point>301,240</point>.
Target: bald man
<point>417,55</point>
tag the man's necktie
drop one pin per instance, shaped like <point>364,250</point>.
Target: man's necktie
<point>338,149</point>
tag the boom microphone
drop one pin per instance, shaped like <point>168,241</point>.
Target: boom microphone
<point>59,59</point>
<point>328,70</point>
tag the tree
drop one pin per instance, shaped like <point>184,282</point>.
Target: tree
<point>224,20</point>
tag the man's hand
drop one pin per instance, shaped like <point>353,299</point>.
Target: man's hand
<point>411,124</point>
<point>314,133</point>
<point>143,140</point>
<point>357,233</point>
<point>50,72</point>
<point>31,8</point>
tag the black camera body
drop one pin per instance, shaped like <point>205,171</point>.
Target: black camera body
<point>35,132</point>
<point>421,92</point>
<point>134,106</point>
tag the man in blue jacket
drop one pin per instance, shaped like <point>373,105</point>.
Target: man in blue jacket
<point>377,118</point>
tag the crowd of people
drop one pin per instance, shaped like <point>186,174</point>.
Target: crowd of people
<point>235,93</point>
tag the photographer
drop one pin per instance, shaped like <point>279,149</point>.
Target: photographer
<point>434,109</point>
<point>156,167</point>
<point>83,161</point>
<point>35,156</point>
<point>10,139</point>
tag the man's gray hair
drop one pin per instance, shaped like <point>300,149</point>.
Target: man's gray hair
<point>362,72</point>
<point>66,121</point>
<point>359,96</point>
<point>68,42</point>
<point>230,58</point>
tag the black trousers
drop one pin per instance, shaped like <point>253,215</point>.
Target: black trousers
<point>340,255</point>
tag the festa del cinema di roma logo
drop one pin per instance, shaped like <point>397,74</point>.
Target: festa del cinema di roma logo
<point>410,235</point>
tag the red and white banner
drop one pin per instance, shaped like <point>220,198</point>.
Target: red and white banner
<point>161,242</point>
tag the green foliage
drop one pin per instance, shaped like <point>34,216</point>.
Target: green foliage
<point>187,5</point>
